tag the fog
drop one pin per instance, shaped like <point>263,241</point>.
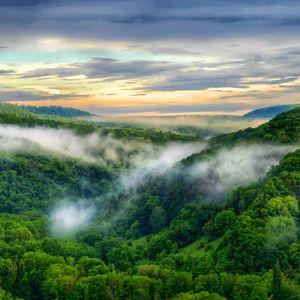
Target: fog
<point>141,159</point>
<point>92,147</point>
<point>216,124</point>
<point>240,165</point>
<point>157,163</point>
<point>68,217</point>
<point>213,177</point>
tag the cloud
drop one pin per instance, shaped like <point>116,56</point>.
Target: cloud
<point>196,81</point>
<point>93,147</point>
<point>112,68</point>
<point>155,164</point>
<point>213,177</point>
<point>230,168</point>
<point>273,68</point>
<point>108,68</point>
<point>142,160</point>
<point>23,95</point>
<point>220,107</point>
<point>5,72</point>
<point>169,45</point>
<point>14,3</point>
<point>70,216</point>
<point>151,20</point>
<point>216,124</point>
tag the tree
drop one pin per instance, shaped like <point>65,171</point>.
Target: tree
<point>277,283</point>
<point>92,266</point>
<point>8,274</point>
<point>123,258</point>
<point>158,219</point>
<point>282,206</point>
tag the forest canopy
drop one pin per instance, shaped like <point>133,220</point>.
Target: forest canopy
<point>180,218</point>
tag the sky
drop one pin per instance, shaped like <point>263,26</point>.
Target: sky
<point>150,56</point>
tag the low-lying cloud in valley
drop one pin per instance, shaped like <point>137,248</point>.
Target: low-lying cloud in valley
<point>205,124</point>
<point>157,163</point>
<point>96,147</point>
<point>68,217</point>
<point>142,162</point>
<point>92,147</point>
<point>240,165</point>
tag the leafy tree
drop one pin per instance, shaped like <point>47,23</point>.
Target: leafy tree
<point>277,282</point>
<point>122,258</point>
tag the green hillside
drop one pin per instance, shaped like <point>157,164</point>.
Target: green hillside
<point>14,115</point>
<point>37,181</point>
<point>20,116</point>
<point>172,234</point>
<point>67,112</point>
<point>284,128</point>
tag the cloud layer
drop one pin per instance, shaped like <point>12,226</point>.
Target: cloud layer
<point>69,217</point>
<point>230,168</point>
<point>138,53</point>
<point>93,147</point>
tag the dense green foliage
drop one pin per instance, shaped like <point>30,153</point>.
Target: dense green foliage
<point>164,240</point>
<point>30,182</point>
<point>284,128</point>
<point>14,115</point>
<point>155,136</point>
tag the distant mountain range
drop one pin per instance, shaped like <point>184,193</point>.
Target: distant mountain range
<point>269,112</point>
<point>66,112</point>
<point>70,112</point>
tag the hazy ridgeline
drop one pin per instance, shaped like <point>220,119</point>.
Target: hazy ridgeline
<point>205,126</point>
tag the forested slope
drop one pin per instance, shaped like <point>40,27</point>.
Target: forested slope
<point>20,116</point>
<point>284,128</point>
<point>199,229</point>
<point>67,112</point>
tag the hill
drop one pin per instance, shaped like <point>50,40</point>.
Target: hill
<point>268,112</point>
<point>38,181</point>
<point>284,128</point>
<point>66,112</point>
<point>221,224</point>
<point>20,116</point>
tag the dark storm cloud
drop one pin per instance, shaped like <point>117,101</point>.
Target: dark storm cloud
<point>5,72</point>
<point>149,19</point>
<point>108,68</point>
<point>112,68</point>
<point>13,3</point>
<point>21,95</point>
